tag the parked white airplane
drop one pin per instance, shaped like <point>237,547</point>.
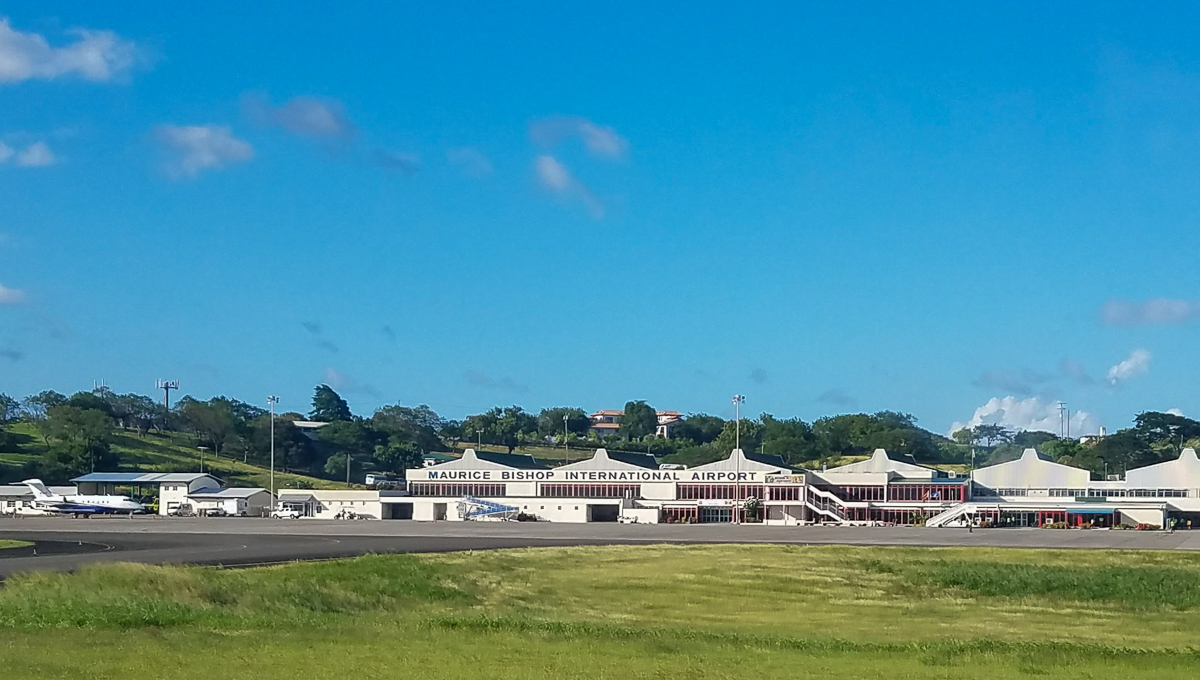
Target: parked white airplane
<point>80,505</point>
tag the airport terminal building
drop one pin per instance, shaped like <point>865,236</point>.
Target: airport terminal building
<point>634,487</point>
<point>630,487</point>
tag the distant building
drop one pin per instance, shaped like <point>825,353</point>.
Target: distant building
<point>609,422</point>
<point>605,422</point>
<point>17,499</point>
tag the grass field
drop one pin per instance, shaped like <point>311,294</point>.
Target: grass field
<point>7,543</point>
<point>622,612</point>
<point>170,452</point>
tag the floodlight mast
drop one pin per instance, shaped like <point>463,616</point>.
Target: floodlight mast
<point>272,400</point>
<point>738,400</point>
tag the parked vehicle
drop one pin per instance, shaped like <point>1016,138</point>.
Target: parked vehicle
<point>628,519</point>
<point>214,512</point>
<point>286,513</point>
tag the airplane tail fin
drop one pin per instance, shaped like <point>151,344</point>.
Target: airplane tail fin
<point>39,490</point>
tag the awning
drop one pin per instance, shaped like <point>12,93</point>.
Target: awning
<point>290,498</point>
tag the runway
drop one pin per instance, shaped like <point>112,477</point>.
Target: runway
<point>67,544</point>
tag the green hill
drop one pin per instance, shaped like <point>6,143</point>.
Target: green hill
<point>158,452</point>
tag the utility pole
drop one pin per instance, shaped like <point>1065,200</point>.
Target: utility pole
<point>272,400</point>
<point>566,446</point>
<point>166,386</point>
<point>738,400</point>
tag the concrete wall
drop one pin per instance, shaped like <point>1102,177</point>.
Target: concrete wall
<point>1140,516</point>
<point>172,494</point>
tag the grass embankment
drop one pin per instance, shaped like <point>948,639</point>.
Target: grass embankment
<point>622,612</point>
<point>6,543</point>
<point>170,452</point>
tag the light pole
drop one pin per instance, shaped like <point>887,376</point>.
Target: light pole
<point>272,400</point>
<point>566,446</point>
<point>738,400</point>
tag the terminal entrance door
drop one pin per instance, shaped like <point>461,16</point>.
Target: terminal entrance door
<point>603,513</point>
<point>714,514</point>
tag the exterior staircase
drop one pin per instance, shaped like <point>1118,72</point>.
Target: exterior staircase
<point>825,503</point>
<point>472,508</point>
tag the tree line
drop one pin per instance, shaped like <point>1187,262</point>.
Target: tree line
<point>77,435</point>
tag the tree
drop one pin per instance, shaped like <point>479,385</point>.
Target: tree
<point>80,441</point>
<point>1165,431</point>
<point>92,400</point>
<point>35,406</point>
<point>698,427</point>
<point>750,438</point>
<point>328,406</point>
<point>213,421</point>
<point>991,433</point>
<point>792,439</point>
<point>963,436</point>
<point>135,411</point>
<point>418,426</point>
<point>550,421</point>
<point>398,457</point>
<point>10,410</point>
<point>639,420</point>
<point>352,440</point>
<point>503,426</point>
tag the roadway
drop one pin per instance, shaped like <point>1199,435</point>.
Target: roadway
<point>66,544</point>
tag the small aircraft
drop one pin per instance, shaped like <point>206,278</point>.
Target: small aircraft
<point>80,506</point>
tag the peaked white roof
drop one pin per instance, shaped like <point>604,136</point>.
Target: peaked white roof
<point>1032,471</point>
<point>880,461</point>
<point>602,461</point>
<point>468,461</point>
<point>739,461</point>
<point>1181,473</point>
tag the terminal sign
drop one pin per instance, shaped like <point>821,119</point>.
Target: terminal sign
<point>686,476</point>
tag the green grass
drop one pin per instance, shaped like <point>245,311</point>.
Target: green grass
<point>171,452</point>
<point>8,543</point>
<point>619,612</point>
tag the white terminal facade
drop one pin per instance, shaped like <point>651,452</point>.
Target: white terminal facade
<point>1030,491</point>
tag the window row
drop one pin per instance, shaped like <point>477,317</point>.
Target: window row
<point>786,493</point>
<point>928,492</point>
<point>591,490</point>
<point>1119,493</point>
<point>717,491</point>
<point>428,489</point>
<point>860,493</point>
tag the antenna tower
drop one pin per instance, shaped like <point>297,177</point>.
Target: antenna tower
<point>166,386</point>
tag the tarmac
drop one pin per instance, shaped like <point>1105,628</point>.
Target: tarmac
<point>65,544</point>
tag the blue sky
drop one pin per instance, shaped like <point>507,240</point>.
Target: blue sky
<point>965,211</point>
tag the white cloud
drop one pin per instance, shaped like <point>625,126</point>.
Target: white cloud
<point>36,155</point>
<point>1029,414</point>
<point>191,149</point>
<point>600,140</point>
<point>1176,412</point>
<point>98,56</point>
<point>11,296</point>
<point>1137,363</point>
<point>471,161</point>
<point>555,176</point>
<point>302,116</point>
<point>1159,311</point>
<point>6,152</point>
